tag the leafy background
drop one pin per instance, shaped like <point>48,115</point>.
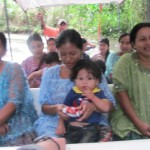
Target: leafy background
<point>114,19</point>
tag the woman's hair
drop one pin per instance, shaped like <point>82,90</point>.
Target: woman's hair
<point>34,37</point>
<point>123,35</point>
<point>69,36</point>
<point>89,65</point>
<point>51,39</point>
<point>101,64</point>
<point>135,30</point>
<point>106,41</point>
<point>3,40</point>
<point>52,57</point>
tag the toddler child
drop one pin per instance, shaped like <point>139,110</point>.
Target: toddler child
<point>86,76</point>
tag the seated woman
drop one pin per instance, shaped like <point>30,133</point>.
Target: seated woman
<point>56,84</point>
<point>103,50</point>
<point>125,46</point>
<point>17,113</point>
<point>131,79</point>
<point>36,61</point>
<point>51,59</point>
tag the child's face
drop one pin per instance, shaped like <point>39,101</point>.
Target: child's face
<point>86,80</point>
<point>2,50</point>
<point>36,48</point>
<point>51,46</point>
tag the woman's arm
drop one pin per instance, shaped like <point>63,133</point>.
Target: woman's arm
<point>15,93</point>
<point>6,112</point>
<point>128,109</point>
<point>107,92</point>
<point>36,74</point>
<point>50,109</point>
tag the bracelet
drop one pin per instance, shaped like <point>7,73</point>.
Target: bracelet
<point>41,139</point>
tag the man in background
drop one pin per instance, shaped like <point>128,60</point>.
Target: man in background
<point>50,31</point>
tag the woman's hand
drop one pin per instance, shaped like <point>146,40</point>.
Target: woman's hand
<point>4,129</point>
<point>144,128</point>
<point>87,109</point>
<point>60,130</point>
<point>60,112</point>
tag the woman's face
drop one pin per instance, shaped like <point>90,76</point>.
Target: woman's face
<point>103,47</point>
<point>69,54</point>
<point>125,45</point>
<point>36,48</point>
<point>142,42</point>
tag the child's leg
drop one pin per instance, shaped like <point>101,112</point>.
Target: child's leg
<point>105,133</point>
<point>90,134</point>
<point>73,134</point>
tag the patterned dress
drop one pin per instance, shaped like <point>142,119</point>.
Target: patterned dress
<point>14,88</point>
<point>29,66</point>
<point>53,90</point>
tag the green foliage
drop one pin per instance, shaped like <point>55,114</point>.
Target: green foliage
<point>114,19</point>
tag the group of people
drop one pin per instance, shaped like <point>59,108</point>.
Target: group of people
<point>78,85</point>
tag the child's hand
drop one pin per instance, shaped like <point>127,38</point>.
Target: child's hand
<point>88,93</point>
<point>31,77</point>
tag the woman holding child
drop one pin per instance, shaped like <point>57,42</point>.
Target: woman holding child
<point>56,84</point>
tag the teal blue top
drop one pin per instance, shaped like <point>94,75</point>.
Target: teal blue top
<point>111,60</point>
<point>14,88</point>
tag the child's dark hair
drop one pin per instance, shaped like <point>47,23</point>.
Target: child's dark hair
<point>52,57</point>
<point>51,39</point>
<point>34,37</point>
<point>69,36</point>
<point>3,40</point>
<point>88,65</point>
<point>84,40</point>
<point>123,35</point>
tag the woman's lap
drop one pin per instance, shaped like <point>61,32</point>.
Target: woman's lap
<point>26,138</point>
<point>46,126</point>
<point>130,136</point>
